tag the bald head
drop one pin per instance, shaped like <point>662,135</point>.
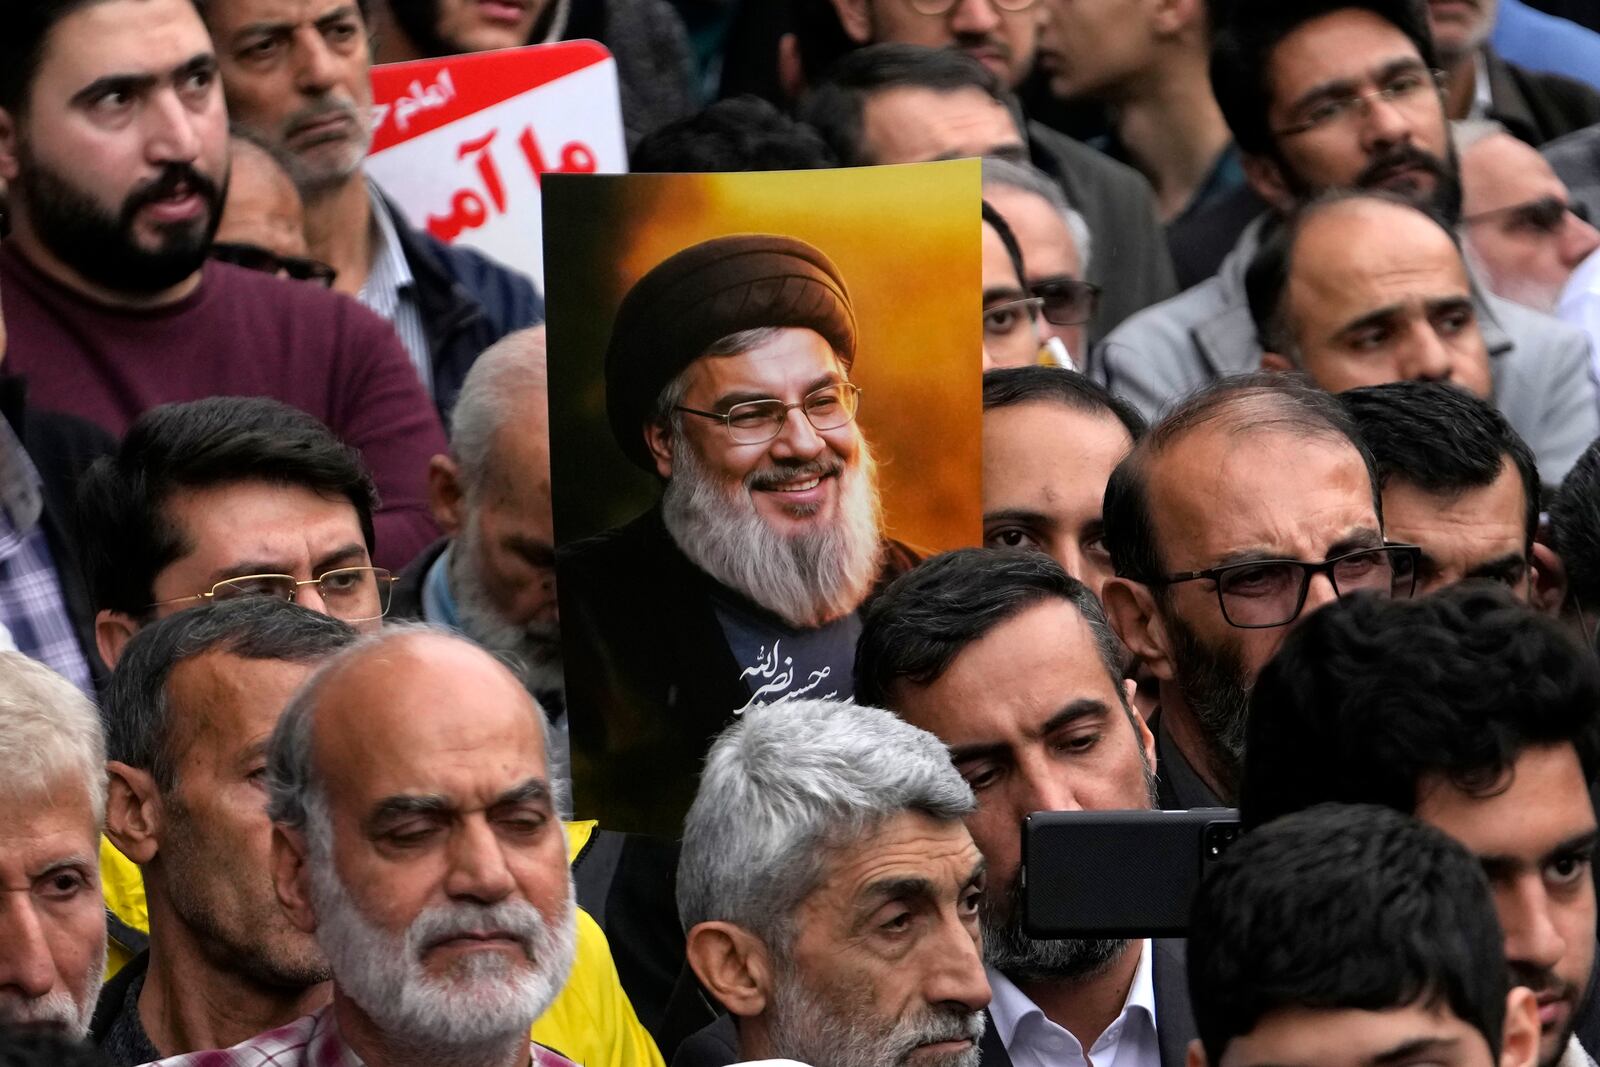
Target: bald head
<point>1518,227</point>
<point>1364,290</point>
<point>263,207</point>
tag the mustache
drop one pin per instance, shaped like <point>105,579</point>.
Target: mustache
<point>782,473</point>
<point>325,108</point>
<point>514,919</point>
<point>1399,157</point>
<point>1541,981</point>
<point>937,1028</point>
<point>53,1011</point>
<point>174,179</point>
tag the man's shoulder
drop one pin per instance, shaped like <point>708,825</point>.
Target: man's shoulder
<point>1088,164</point>
<point>265,306</point>
<point>287,1045</point>
<point>715,1044</point>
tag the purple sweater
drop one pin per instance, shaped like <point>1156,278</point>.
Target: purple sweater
<point>240,333</point>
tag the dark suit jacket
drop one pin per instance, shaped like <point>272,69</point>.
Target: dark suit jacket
<point>406,602</point>
<point>717,1044</point>
<point>61,448</point>
<point>1535,106</point>
<point>650,678</point>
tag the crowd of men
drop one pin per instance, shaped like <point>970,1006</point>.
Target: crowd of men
<point>1290,505</point>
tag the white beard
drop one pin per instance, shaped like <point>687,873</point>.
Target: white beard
<point>535,647</point>
<point>57,1010</point>
<point>486,1000</point>
<point>807,580</point>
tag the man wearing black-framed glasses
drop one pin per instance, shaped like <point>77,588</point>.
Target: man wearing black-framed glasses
<point>1249,507</point>
<point>728,377</point>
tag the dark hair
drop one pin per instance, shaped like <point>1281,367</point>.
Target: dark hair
<point>1369,696</point>
<point>137,709</point>
<point>1575,527</point>
<point>1007,238</point>
<point>1266,281</point>
<point>127,538</point>
<point>1004,387</point>
<point>834,106</point>
<point>1247,403</point>
<point>22,45</point>
<point>1443,440</point>
<point>745,133</point>
<point>1344,908</point>
<point>917,627</point>
<point>1244,36</point>
<point>42,1046</point>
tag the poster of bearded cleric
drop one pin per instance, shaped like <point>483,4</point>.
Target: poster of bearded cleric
<point>765,404</point>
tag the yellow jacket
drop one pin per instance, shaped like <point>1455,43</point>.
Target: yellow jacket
<point>592,1023</point>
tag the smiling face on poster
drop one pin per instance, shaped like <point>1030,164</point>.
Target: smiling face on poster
<point>463,144</point>
<point>765,405</point>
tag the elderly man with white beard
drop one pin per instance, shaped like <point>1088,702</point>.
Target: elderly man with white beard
<point>728,377</point>
<point>432,869</point>
<point>493,576</point>
<point>52,806</point>
<point>830,891</point>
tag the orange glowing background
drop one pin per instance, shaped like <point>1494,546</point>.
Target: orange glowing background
<point>905,240</point>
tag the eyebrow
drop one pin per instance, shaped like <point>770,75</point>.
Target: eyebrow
<point>1336,87</point>
<point>264,28</point>
<point>1503,567</point>
<point>728,400</point>
<point>1583,843</point>
<point>1082,708</point>
<point>77,861</point>
<point>134,84</point>
<point>1001,295</point>
<point>1415,1047</point>
<point>900,887</point>
<point>1022,515</point>
<point>1352,541</point>
<point>401,805</point>
<point>339,557</point>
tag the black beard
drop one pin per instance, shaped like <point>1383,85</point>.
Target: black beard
<point>101,247</point>
<point>1217,691</point>
<point>1444,201</point>
<point>1008,948</point>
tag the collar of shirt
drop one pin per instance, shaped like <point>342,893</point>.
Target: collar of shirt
<point>1031,1039</point>
<point>1482,95</point>
<point>438,600</point>
<point>21,496</point>
<point>390,274</point>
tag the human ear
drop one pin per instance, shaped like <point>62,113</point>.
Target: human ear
<point>658,437</point>
<point>133,811</point>
<point>855,19</point>
<point>1266,178</point>
<point>291,878</point>
<point>445,497</point>
<point>1547,580</point>
<point>1274,362</point>
<point>1131,609</point>
<point>112,632</point>
<point>1519,1040</point>
<point>733,965</point>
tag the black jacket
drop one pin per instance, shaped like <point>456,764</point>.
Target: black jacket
<point>717,1044</point>
<point>650,678</point>
<point>467,302</point>
<point>1535,106</point>
<point>406,602</point>
<point>61,448</point>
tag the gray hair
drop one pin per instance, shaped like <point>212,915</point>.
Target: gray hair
<point>790,782</point>
<point>48,730</point>
<point>295,796</point>
<point>731,345</point>
<point>504,382</point>
<point>137,710</point>
<point>1027,178</point>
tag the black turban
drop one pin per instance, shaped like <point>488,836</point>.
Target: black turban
<point>691,301</point>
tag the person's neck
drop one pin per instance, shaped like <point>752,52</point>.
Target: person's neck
<point>1085,1007</point>
<point>1461,86</point>
<point>377,1049</point>
<point>25,241</point>
<point>339,231</point>
<point>189,1003</point>
<point>1183,726</point>
<point>1171,126</point>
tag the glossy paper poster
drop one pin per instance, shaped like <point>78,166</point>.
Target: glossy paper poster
<point>463,144</point>
<point>734,570</point>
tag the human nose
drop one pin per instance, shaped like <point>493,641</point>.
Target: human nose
<point>315,72</point>
<point>1383,121</point>
<point>974,16</point>
<point>1578,240</point>
<point>1045,788</point>
<point>798,438</point>
<point>26,966</point>
<point>1427,358</point>
<point>1532,939</point>
<point>309,595</point>
<point>956,976</point>
<point>1319,594</point>
<point>478,869</point>
<point>172,137</point>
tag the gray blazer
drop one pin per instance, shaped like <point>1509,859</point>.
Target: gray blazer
<point>1540,366</point>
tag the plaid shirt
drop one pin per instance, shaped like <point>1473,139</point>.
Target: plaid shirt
<point>33,610</point>
<point>310,1041</point>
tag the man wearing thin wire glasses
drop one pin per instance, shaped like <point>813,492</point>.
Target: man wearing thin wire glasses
<point>1003,35</point>
<point>728,378</point>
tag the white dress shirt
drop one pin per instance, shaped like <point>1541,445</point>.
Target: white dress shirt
<point>1031,1040</point>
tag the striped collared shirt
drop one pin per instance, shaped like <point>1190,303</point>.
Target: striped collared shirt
<point>391,290</point>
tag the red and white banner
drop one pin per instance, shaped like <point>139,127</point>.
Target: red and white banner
<point>462,144</point>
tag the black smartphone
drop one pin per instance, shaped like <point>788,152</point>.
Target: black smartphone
<point>1118,873</point>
